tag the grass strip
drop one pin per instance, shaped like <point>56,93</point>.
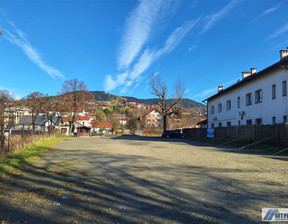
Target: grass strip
<point>28,154</point>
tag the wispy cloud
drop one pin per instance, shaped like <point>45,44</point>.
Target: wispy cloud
<point>215,17</point>
<point>207,92</point>
<point>138,29</point>
<point>282,30</point>
<point>111,84</point>
<point>194,46</point>
<point>177,36</point>
<point>149,56</point>
<point>267,12</point>
<point>16,36</point>
<point>149,80</point>
<point>138,82</point>
<point>143,63</point>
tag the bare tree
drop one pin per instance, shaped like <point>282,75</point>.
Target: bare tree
<point>167,104</point>
<point>76,96</point>
<point>36,103</point>
<point>53,109</point>
<point>5,98</point>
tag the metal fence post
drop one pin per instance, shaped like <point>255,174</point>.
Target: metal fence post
<point>23,137</point>
<point>9,140</point>
<point>32,135</point>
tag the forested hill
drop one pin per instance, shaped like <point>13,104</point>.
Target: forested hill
<point>102,96</point>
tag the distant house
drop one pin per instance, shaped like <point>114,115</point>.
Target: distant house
<point>133,104</point>
<point>122,118</point>
<point>83,120</point>
<point>91,114</point>
<point>103,107</point>
<point>80,121</point>
<point>140,105</point>
<point>153,118</point>
<point>42,121</point>
<point>104,126</point>
<point>64,127</point>
<point>259,98</point>
<point>18,112</point>
<point>83,131</point>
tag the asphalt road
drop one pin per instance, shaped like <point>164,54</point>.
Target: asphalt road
<point>144,180</point>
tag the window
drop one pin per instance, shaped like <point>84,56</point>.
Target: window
<point>249,122</point>
<point>228,124</point>
<point>273,120</point>
<point>219,107</point>
<point>273,91</point>
<point>284,119</point>
<point>212,125</point>
<point>258,121</point>
<point>228,104</point>
<point>284,88</point>
<point>239,123</point>
<point>212,109</point>
<point>238,101</point>
<point>248,99</point>
<point>220,125</point>
<point>258,96</point>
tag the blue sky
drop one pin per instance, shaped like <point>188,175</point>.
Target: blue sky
<point>115,46</point>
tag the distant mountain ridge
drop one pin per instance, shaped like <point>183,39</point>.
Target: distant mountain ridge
<point>102,96</point>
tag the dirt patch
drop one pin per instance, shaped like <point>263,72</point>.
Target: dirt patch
<point>144,180</point>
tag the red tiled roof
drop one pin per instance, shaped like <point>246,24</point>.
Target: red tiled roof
<point>104,125</point>
<point>83,118</point>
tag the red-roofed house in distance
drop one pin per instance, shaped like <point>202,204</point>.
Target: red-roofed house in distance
<point>153,118</point>
<point>103,127</point>
<point>140,105</point>
<point>83,121</point>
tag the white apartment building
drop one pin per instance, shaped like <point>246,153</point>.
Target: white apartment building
<point>259,98</point>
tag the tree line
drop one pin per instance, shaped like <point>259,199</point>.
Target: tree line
<point>73,97</point>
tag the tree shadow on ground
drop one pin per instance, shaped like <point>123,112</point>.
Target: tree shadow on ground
<point>98,187</point>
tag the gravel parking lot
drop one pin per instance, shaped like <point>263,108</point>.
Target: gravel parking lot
<point>144,180</point>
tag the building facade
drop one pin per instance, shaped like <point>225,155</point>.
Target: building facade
<point>153,118</point>
<point>260,98</point>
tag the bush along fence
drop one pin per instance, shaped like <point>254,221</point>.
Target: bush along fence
<point>272,134</point>
<point>15,140</point>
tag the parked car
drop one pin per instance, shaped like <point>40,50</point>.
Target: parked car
<point>172,134</point>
